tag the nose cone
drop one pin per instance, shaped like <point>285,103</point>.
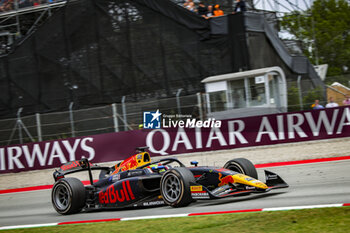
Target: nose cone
<point>247,180</point>
<point>260,185</point>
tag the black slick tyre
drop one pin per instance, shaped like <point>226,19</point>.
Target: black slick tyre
<point>68,195</point>
<point>242,165</point>
<point>175,187</point>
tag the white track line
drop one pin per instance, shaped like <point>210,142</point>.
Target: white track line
<point>180,215</point>
<point>155,216</point>
<point>28,226</point>
<point>302,207</point>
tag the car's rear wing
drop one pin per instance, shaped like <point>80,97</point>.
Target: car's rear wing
<point>78,166</point>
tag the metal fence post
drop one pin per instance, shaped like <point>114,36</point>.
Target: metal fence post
<point>207,100</point>
<point>200,107</point>
<point>19,124</point>
<point>71,118</point>
<point>178,101</point>
<point>115,118</point>
<point>124,114</point>
<point>38,127</point>
<point>300,93</point>
<point>22,126</point>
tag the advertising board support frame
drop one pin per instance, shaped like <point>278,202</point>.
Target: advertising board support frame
<point>71,118</point>
<point>115,118</point>
<point>20,125</point>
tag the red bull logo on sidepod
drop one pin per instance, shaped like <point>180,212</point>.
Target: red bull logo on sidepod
<point>111,195</point>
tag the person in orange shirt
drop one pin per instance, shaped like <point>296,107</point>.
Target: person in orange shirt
<point>218,11</point>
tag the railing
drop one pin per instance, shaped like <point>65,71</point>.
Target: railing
<point>19,7</point>
<point>105,119</point>
<point>129,115</point>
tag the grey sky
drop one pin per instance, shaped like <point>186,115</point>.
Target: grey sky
<point>282,5</point>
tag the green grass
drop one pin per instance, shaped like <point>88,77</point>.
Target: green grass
<point>307,220</point>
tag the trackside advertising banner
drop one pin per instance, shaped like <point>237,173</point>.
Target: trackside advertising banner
<point>166,135</point>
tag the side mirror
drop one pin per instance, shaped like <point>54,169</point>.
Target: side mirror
<point>194,163</point>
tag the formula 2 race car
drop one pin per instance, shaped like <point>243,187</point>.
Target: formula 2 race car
<point>138,181</point>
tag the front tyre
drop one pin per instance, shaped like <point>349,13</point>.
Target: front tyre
<point>68,196</point>
<point>242,165</point>
<point>175,187</point>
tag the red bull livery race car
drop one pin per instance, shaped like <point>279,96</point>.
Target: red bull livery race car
<point>138,181</point>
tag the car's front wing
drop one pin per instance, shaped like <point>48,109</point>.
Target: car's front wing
<point>273,181</point>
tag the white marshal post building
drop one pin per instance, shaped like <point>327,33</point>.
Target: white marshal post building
<point>248,93</point>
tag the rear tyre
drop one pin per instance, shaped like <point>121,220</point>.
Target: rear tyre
<point>175,187</point>
<point>242,165</point>
<point>68,196</point>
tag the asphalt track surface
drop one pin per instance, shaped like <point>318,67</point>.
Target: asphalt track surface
<point>310,184</point>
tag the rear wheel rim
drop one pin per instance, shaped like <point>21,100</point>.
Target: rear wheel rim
<point>172,188</point>
<point>62,197</point>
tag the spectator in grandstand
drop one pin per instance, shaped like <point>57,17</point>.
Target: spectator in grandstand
<point>210,12</point>
<point>317,105</point>
<point>36,3</point>
<point>2,3</point>
<point>187,2</point>
<point>26,3</point>
<point>331,103</point>
<point>346,102</point>
<point>6,5</point>
<point>218,11</point>
<point>189,5</point>
<point>240,6</point>
<point>202,10</point>
<point>192,7</point>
